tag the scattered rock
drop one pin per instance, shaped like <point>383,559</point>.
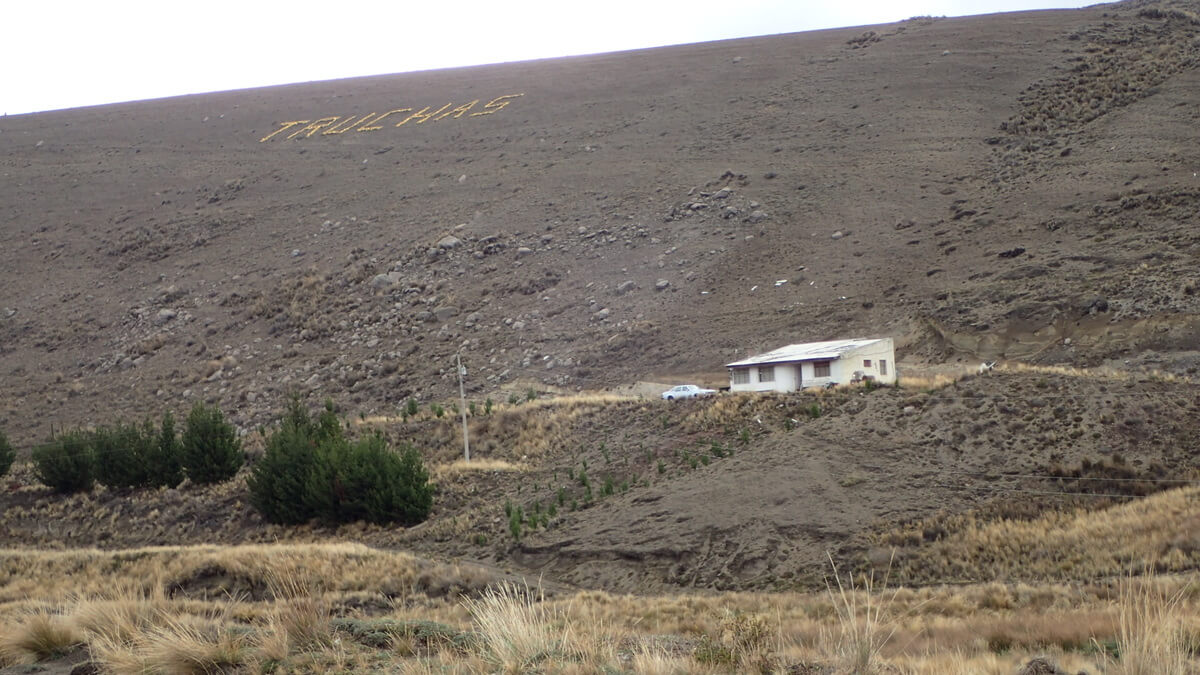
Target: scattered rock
<point>837,235</point>
<point>662,285</point>
<point>296,253</point>
<point>445,313</point>
<point>165,315</point>
<point>1096,306</point>
<point>601,315</point>
<point>1011,253</point>
<point>524,251</point>
<point>757,216</point>
<point>626,286</point>
<point>9,312</point>
<point>449,242</point>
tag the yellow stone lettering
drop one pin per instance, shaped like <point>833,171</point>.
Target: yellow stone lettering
<point>424,115</point>
<point>458,112</point>
<point>319,124</point>
<point>345,125</point>
<point>379,119</point>
<point>285,127</point>
<point>496,105</point>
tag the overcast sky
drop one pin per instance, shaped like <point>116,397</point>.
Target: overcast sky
<point>88,52</point>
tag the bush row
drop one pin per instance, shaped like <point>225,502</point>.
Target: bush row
<point>311,470</point>
<point>130,455</point>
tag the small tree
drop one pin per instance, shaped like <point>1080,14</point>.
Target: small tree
<point>211,450</point>
<point>279,480</point>
<point>123,454</point>
<point>7,454</point>
<point>166,457</point>
<point>66,463</point>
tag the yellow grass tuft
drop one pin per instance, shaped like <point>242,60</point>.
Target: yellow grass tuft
<point>518,633</point>
<point>37,636</point>
<point>1150,629</point>
<point>864,623</point>
<point>186,646</point>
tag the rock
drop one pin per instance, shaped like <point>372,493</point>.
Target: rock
<point>662,285</point>
<point>696,206</point>
<point>626,286</point>
<point>837,235</point>
<point>723,193</point>
<point>380,281</point>
<point>757,216</point>
<point>449,242</point>
<point>425,316</point>
<point>9,312</point>
<point>165,315</point>
<point>601,315</point>
<point>1041,666</point>
<point>518,325</point>
<point>524,251</point>
<point>1096,305</point>
<point>296,253</point>
<point>1011,253</point>
<point>445,313</point>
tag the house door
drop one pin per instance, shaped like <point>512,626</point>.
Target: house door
<point>799,376</point>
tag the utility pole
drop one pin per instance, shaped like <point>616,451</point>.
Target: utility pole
<point>462,406</point>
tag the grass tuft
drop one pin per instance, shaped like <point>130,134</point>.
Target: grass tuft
<point>38,636</point>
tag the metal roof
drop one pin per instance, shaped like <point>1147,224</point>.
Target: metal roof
<point>809,351</point>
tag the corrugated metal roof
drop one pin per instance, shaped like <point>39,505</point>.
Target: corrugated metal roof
<point>809,351</point>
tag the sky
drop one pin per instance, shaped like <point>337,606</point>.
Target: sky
<point>86,52</point>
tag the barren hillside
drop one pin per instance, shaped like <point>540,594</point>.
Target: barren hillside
<point>1017,186</point>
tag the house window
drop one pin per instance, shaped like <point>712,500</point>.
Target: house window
<point>882,367</point>
<point>741,376</point>
<point>766,373</point>
<point>820,369</point>
<point>866,363</point>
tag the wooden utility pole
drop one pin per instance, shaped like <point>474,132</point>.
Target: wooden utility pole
<point>462,405</point>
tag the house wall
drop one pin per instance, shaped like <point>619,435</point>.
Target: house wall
<point>882,350</point>
<point>785,379</point>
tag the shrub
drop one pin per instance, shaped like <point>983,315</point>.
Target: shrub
<point>165,460</point>
<point>123,454</point>
<point>366,480</point>
<point>66,463</point>
<point>211,450</point>
<point>7,454</point>
<point>279,480</point>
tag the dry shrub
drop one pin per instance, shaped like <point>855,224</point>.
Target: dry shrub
<point>187,646</point>
<point>37,636</point>
<point>302,614</point>
<point>120,619</point>
<point>519,634</point>
<point>864,621</point>
<point>1151,639</point>
<point>655,660</point>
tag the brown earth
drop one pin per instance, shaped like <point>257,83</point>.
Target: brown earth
<point>1017,187</point>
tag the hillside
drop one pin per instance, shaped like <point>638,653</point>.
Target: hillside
<point>1018,186</point>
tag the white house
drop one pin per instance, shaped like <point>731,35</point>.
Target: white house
<point>815,364</point>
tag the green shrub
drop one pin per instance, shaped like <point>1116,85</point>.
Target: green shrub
<point>122,453</point>
<point>166,456</point>
<point>367,480</point>
<point>66,463</point>
<point>211,450</point>
<point>411,407</point>
<point>279,480</point>
<point>7,454</point>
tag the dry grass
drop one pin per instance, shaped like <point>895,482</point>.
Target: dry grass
<point>1150,635</point>
<point>864,624</point>
<point>855,626</point>
<point>36,636</point>
<point>1084,543</point>
<point>520,634</point>
<point>443,471</point>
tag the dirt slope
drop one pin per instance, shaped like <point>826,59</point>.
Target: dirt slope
<point>978,187</point>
